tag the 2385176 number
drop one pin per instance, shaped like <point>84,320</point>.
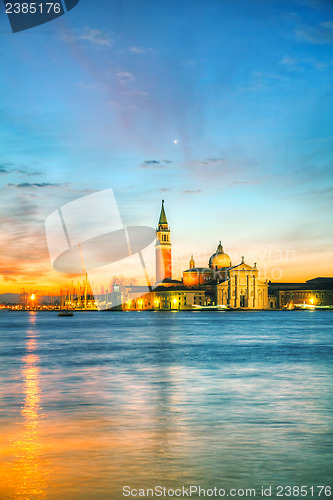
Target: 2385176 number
<point>303,491</point>
<point>33,8</point>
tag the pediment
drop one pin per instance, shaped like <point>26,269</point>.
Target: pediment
<point>244,267</point>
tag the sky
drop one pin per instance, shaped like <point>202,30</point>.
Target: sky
<point>223,109</point>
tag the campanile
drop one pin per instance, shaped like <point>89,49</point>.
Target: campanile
<point>163,248</point>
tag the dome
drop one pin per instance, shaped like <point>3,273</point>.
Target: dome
<point>219,259</point>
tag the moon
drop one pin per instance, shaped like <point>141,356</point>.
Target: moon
<point>175,141</point>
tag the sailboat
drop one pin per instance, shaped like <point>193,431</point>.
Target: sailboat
<point>67,312</point>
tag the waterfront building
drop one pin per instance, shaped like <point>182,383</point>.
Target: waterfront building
<point>236,286</point>
<point>241,288</point>
<point>218,284</point>
<point>165,299</point>
<point>315,292</point>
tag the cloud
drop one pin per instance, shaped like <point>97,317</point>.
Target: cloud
<point>322,34</point>
<point>95,37</point>
<point>6,271</point>
<point>23,172</point>
<point>314,4</point>
<point>154,164</point>
<point>289,61</point>
<point>192,191</point>
<point>135,93</point>
<point>137,50</point>
<point>293,64</point>
<point>125,75</point>
<point>236,183</point>
<point>319,193</point>
<point>7,279</point>
<point>164,189</point>
<point>222,172</point>
<point>36,185</point>
<point>11,168</point>
<point>268,76</point>
<point>207,164</point>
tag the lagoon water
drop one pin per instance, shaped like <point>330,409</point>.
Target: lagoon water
<point>98,401</point>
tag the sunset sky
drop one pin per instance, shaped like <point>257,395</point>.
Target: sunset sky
<point>222,108</point>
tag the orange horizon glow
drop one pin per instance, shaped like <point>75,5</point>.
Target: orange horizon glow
<point>276,265</point>
<point>57,285</point>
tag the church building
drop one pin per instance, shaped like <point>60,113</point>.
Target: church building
<point>235,287</point>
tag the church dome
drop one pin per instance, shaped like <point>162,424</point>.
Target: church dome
<point>219,259</point>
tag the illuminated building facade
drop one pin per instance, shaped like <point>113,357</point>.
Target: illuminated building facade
<point>242,289</point>
<point>316,292</point>
<point>237,287</point>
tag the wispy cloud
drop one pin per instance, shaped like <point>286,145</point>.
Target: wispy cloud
<point>36,185</point>
<point>135,93</point>
<point>268,76</point>
<point>20,171</point>
<point>125,75</point>
<point>95,37</point>
<point>239,183</point>
<point>222,172</point>
<point>288,61</point>
<point>137,50</point>
<point>192,191</point>
<point>322,34</point>
<point>292,64</point>
<point>155,164</point>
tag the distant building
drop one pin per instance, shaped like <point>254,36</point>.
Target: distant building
<point>316,292</point>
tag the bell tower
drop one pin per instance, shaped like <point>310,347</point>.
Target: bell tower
<point>192,263</point>
<point>163,248</point>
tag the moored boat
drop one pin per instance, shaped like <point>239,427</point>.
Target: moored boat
<point>210,308</point>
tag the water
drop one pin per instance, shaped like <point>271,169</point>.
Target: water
<point>92,403</point>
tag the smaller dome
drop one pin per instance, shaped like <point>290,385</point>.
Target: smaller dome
<point>219,259</point>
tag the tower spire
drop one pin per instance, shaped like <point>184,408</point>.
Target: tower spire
<point>163,219</point>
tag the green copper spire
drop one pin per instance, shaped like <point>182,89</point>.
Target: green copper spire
<point>163,219</point>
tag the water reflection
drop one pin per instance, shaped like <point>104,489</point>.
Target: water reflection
<point>30,467</point>
<point>148,401</point>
